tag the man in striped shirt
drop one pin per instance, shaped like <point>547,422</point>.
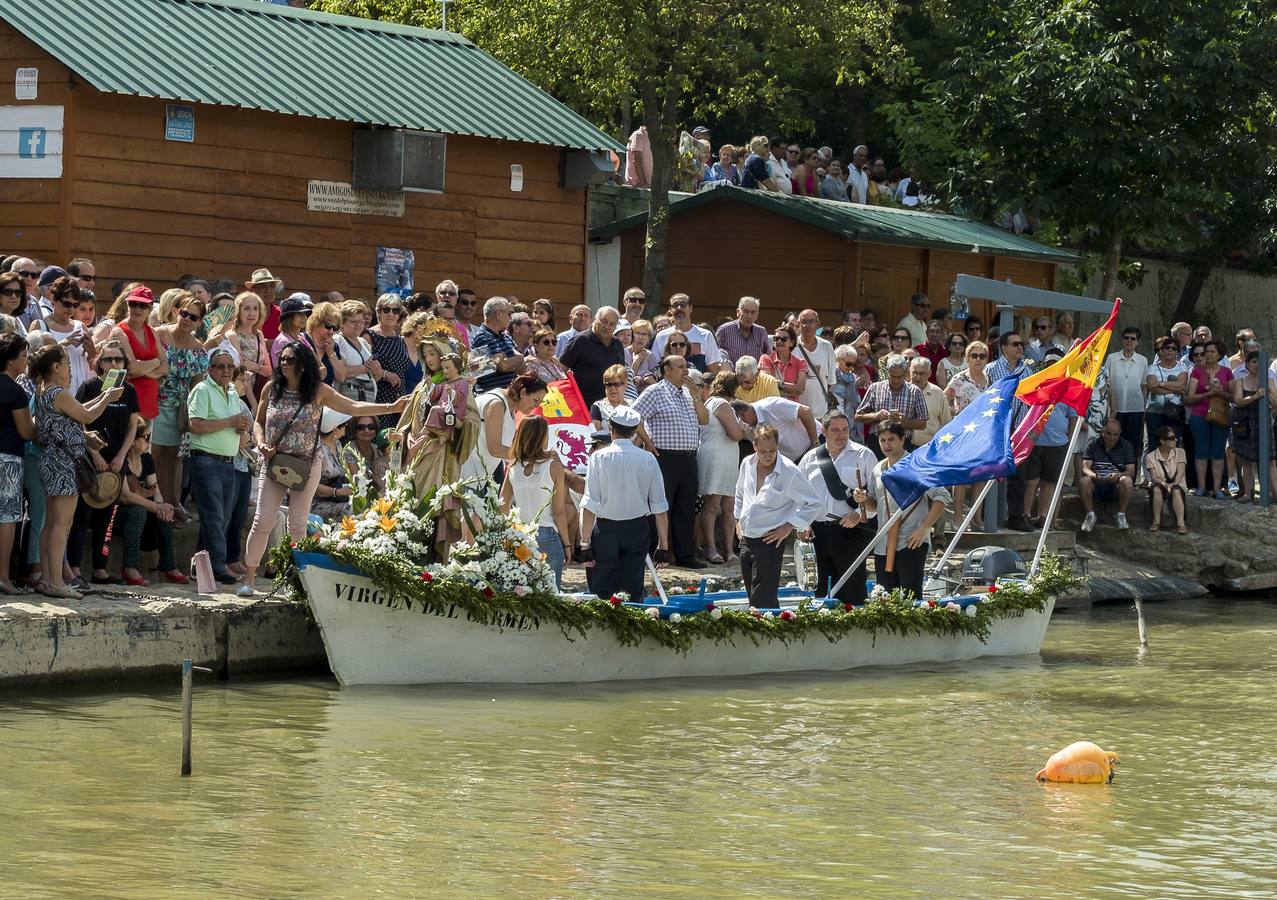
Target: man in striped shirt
<point>743,337</point>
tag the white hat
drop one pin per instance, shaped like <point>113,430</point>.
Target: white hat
<point>623,325</point>
<point>625,417</point>
<point>331,419</point>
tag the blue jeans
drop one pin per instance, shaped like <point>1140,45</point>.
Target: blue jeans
<point>239,512</point>
<point>549,543</point>
<point>1208,439</point>
<point>213,483</point>
<point>35,505</point>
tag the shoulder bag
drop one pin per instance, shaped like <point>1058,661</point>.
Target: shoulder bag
<point>831,399</point>
<point>285,469</point>
<point>1219,412</point>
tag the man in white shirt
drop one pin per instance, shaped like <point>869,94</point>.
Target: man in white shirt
<point>580,321</point>
<point>793,422</point>
<point>623,488</point>
<point>916,321</point>
<point>818,353</point>
<point>1128,392</point>
<point>778,168</point>
<point>773,500</point>
<point>704,352</point>
<point>835,469</point>
<point>858,181</point>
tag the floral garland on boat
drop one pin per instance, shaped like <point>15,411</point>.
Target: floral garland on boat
<point>485,581</point>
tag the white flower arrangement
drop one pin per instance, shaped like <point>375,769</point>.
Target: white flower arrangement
<point>396,523</point>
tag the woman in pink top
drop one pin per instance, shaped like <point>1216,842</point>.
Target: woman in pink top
<point>1208,380</point>
<point>788,370</point>
<point>803,178</point>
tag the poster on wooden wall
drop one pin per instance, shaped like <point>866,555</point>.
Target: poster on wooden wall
<point>340,197</point>
<point>31,141</point>
<point>394,271</point>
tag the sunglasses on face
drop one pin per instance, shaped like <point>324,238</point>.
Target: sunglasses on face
<point>111,359</point>
<point>608,384</point>
<point>900,337</point>
<point>1015,343</point>
<point>546,342</point>
<point>366,426</point>
<point>1129,337</point>
<point>87,277</point>
<point>391,310</point>
<point>780,339</point>
<point>29,274</point>
<point>189,316</point>
<point>469,303</point>
<point>1041,327</point>
<point>977,356</point>
<point>133,305</point>
<point>12,292</point>
<point>69,304</point>
<point>635,300</point>
<point>677,344</point>
<point>287,360</point>
<point>331,326</point>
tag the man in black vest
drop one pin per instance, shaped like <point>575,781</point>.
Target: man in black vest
<point>835,469</point>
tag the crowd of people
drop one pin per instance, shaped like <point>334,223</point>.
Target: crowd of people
<point>716,442</point>
<point>777,165</point>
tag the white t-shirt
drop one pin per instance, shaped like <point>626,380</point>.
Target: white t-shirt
<point>1126,381</point>
<point>78,359</point>
<point>858,187</point>
<point>701,339</point>
<point>779,172</point>
<point>822,358</point>
<point>1161,374</point>
<point>782,414</point>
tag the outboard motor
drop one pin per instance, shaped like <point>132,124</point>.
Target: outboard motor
<point>985,565</point>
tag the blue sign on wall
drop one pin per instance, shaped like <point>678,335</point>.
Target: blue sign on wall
<point>31,143</point>
<point>179,123</point>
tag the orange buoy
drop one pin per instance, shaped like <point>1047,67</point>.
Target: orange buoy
<point>1080,763</point>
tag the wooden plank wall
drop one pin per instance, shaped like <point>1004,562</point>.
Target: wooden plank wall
<point>145,208</point>
<point>721,252</point>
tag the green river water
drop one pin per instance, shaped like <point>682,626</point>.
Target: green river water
<point>899,783</point>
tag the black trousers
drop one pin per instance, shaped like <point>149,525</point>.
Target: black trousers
<point>620,547</point>
<point>760,564</point>
<point>910,569</point>
<point>682,485</point>
<point>836,547</point>
<point>1133,430</point>
<point>89,523</point>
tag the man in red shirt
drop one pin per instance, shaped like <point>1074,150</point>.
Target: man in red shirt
<point>266,286</point>
<point>933,348</point>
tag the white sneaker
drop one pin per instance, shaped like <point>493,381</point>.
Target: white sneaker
<point>1121,522</point>
<point>1088,524</point>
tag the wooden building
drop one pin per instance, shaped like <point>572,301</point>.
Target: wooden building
<point>212,137</point>
<point>799,252</point>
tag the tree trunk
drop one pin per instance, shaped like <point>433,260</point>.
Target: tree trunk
<point>662,132</point>
<point>1112,262</point>
<point>1198,271</point>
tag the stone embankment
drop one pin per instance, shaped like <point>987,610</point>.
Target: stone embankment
<point>117,633</point>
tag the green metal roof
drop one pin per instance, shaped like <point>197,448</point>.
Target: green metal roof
<point>258,55</point>
<point>858,222</point>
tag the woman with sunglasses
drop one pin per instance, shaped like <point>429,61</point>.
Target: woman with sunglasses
<point>901,341</point>
<point>973,328</point>
<point>288,422</point>
<point>145,518</point>
<point>789,371</point>
<point>963,388</point>
<point>320,336</point>
<point>187,363</point>
<point>116,424</point>
<point>362,448</point>
<point>955,362</point>
<point>11,296</point>
<point>64,296</point>
<point>390,349</point>
<point>147,363</point>
<point>543,363</point>
<point>1166,384</point>
<point>16,429</point>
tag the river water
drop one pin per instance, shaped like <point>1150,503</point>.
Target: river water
<point>901,783</point>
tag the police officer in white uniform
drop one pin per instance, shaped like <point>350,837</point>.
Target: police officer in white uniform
<point>624,492</point>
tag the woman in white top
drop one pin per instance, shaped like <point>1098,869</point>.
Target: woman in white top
<point>955,362</point>
<point>534,485</point>
<point>64,298</point>
<point>497,411</point>
<point>1167,383</point>
<point>717,465</point>
<point>362,371</point>
<point>963,387</point>
<point>242,336</point>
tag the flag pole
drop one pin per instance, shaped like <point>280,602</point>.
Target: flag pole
<point>962,529</point>
<point>899,514</point>
<point>1055,498</point>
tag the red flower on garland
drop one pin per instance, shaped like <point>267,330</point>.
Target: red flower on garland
<point>426,576</point>
<point>489,593</point>
<point>292,544</point>
<point>933,604</point>
<point>709,607</point>
<point>787,614</point>
<point>993,589</point>
<point>849,606</point>
<point>614,600</point>
<point>756,613</point>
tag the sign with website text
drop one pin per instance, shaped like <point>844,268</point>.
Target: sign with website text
<point>26,83</point>
<point>340,197</point>
<point>31,141</point>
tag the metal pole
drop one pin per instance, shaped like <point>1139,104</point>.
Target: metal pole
<point>962,529</point>
<point>186,716</point>
<point>899,514</point>
<point>1055,497</point>
<point>1143,628</point>
<point>1265,432</point>
<point>656,579</point>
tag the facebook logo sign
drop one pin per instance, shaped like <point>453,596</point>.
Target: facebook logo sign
<point>31,143</point>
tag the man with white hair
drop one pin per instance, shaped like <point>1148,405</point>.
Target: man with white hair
<point>858,176</point>
<point>938,411</point>
<point>891,400</point>
<point>593,352</point>
<point>578,323</point>
<point>492,340</point>
<point>752,383</point>
<point>744,337</point>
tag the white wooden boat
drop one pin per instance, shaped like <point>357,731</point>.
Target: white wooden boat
<point>373,637</point>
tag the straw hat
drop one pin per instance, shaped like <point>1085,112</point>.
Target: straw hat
<point>104,491</point>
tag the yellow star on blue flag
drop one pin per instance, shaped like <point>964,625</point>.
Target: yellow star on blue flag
<point>975,446</point>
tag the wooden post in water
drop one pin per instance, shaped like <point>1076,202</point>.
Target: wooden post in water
<point>186,716</point>
<point>1139,615</point>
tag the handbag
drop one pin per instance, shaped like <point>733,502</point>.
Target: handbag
<point>285,469</point>
<point>202,571</point>
<point>1219,412</point>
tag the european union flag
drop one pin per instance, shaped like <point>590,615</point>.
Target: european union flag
<point>975,446</point>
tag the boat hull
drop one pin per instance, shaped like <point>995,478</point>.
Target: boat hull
<point>373,637</point>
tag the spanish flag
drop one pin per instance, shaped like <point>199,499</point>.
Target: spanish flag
<point>1072,379</point>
